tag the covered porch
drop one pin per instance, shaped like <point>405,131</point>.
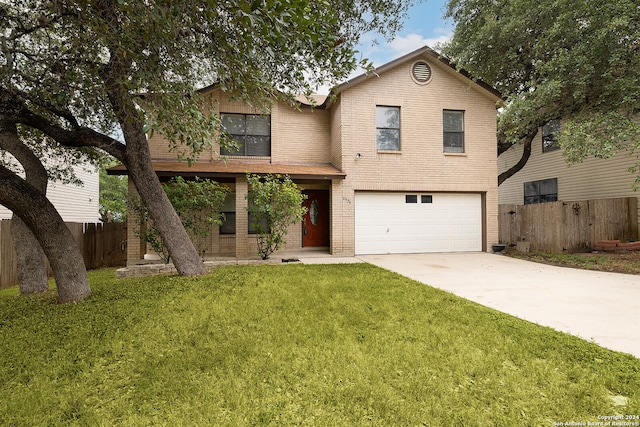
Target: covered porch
<point>235,239</point>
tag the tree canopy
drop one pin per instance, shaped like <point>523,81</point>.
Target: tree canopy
<point>78,70</point>
<point>574,60</point>
<point>83,61</point>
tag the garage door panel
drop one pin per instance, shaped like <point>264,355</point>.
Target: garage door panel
<point>385,223</point>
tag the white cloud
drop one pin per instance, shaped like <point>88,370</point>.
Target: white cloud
<point>403,45</point>
<point>382,53</point>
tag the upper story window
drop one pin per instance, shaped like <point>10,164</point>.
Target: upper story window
<point>388,128</point>
<point>453,131</point>
<point>550,133</point>
<point>251,132</point>
<point>545,190</point>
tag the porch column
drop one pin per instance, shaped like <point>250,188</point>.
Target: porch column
<point>242,218</point>
<point>342,219</point>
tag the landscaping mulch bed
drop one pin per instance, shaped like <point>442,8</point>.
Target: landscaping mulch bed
<point>627,262</point>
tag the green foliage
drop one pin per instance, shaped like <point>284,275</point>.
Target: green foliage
<point>61,163</point>
<point>316,345</point>
<point>275,202</point>
<point>79,70</point>
<point>113,195</point>
<point>147,232</point>
<point>197,202</point>
<point>573,60</point>
<point>88,60</point>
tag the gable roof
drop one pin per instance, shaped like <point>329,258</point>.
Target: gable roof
<point>325,101</point>
<point>425,50</point>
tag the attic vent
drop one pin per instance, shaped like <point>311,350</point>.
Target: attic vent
<point>421,72</point>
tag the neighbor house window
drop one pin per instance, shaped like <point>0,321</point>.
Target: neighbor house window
<point>550,133</point>
<point>453,130</point>
<point>388,128</point>
<point>545,190</point>
<point>250,132</point>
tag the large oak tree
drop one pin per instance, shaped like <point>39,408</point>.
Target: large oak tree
<point>574,60</point>
<point>77,69</point>
<point>51,233</point>
<point>40,160</point>
<point>32,274</point>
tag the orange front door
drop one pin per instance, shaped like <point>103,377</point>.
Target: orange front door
<point>315,232</point>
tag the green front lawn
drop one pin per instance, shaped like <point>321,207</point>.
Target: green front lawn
<point>295,345</point>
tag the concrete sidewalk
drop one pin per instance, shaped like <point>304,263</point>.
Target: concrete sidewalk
<point>596,306</point>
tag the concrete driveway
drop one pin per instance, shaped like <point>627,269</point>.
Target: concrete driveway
<point>599,307</point>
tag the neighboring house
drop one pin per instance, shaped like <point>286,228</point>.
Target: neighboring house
<point>74,203</point>
<point>402,161</point>
<point>548,177</point>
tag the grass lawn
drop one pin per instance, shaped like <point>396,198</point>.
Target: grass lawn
<point>326,345</point>
<point>624,262</point>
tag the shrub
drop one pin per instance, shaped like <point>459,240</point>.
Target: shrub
<point>275,202</point>
<point>197,202</point>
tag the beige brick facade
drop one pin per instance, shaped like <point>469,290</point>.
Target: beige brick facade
<point>421,164</point>
<point>336,131</point>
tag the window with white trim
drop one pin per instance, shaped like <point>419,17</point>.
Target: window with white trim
<point>453,131</point>
<point>387,128</point>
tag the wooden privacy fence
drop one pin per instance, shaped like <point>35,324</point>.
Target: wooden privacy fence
<point>557,227</point>
<point>101,245</point>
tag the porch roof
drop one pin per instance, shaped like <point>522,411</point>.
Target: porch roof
<point>236,169</point>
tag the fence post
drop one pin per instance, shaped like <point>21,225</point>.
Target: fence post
<point>632,217</point>
<point>8,270</point>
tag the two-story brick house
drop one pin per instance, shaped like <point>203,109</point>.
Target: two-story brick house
<point>403,160</point>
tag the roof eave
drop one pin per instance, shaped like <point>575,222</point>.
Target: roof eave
<point>303,172</point>
<point>425,50</point>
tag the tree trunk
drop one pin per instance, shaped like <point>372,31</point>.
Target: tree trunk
<point>181,249</point>
<point>32,273</point>
<point>526,153</point>
<point>53,235</point>
<point>136,157</point>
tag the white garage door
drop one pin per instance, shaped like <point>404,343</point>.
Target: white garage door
<point>393,223</point>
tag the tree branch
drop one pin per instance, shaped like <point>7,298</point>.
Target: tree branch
<point>16,111</point>
<point>65,114</point>
<point>80,137</point>
<point>526,153</point>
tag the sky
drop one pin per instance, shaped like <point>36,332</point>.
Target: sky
<point>424,26</point>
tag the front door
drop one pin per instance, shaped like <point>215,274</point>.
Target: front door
<point>315,231</point>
